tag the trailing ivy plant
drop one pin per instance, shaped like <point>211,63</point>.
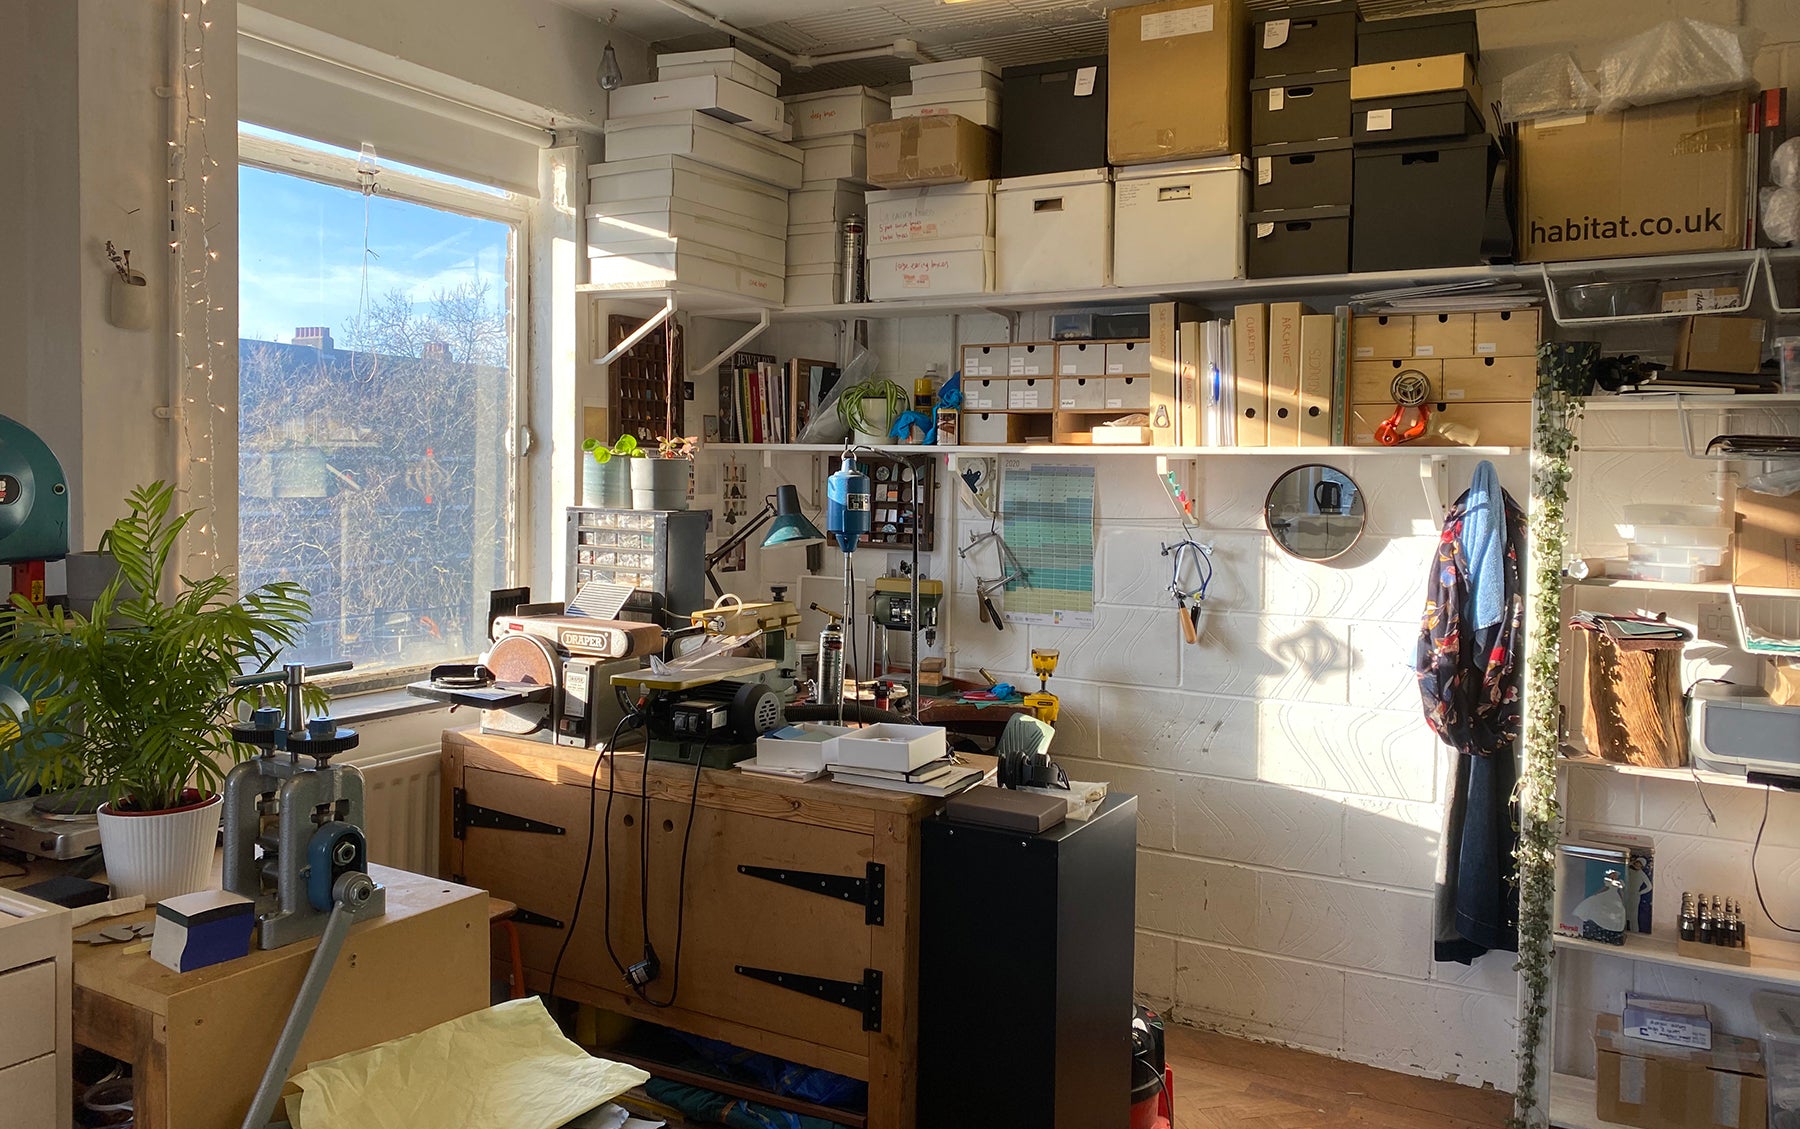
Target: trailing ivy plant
<point>1564,378</point>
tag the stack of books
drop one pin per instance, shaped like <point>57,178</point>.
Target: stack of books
<point>942,777</point>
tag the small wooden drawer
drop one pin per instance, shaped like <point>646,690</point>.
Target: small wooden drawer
<point>1081,393</point>
<point>1381,337</point>
<point>1081,358</point>
<point>1372,382</point>
<point>1443,335</point>
<point>28,1092</point>
<point>984,394</point>
<point>985,360</point>
<point>1506,333</point>
<point>1127,393</point>
<point>28,1001</point>
<point>1032,394</point>
<point>1488,379</point>
<point>1031,360</point>
<point>1128,358</point>
<point>992,427</point>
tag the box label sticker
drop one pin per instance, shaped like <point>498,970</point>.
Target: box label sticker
<point>1277,98</point>
<point>1068,401</point>
<point>1380,120</point>
<point>1265,170</point>
<point>1455,394</point>
<point>1275,33</point>
<point>1070,369</point>
<point>1425,351</point>
<point>1182,21</point>
<point>1264,230</point>
<point>1114,402</point>
<point>1486,347</point>
<point>1084,81</point>
<point>1365,351</point>
<point>1116,367</point>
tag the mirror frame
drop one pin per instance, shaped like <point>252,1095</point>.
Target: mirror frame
<point>1269,498</point>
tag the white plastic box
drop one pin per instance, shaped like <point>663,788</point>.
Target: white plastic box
<point>713,96</point>
<point>944,211</point>
<point>689,133</point>
<point>1778,1014</point>
<point>824,203</point>
<point>723,62</point>
<point>691,265</point>
<point>829,113</point>
<point>955,75</point>
<point>896,748</point>
<point>629,226</point>
<point>689,181</point>
<point>841,157</point>
<point>1055,232</point>
<point>931,268</point>
<point>814,749</point>
<point>1180,222</point>
<point>979,106</point>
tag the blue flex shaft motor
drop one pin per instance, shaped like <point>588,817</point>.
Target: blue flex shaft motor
<point>847,505</point>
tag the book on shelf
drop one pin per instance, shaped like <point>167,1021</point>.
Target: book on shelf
<point>919,775</point>
<point>949,784</point>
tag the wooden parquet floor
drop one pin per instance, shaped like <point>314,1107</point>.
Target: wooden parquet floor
<point>1227,1083</point>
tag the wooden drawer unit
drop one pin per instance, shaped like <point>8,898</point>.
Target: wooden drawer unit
<point>36,1006</point>
<point>1444,335</point>
<point>28,1092</point>
<point>1506,333</point>
<point>743,925</point>
<point>1489,379</point>
<point>1372,382</point>
<point>28,1001</point>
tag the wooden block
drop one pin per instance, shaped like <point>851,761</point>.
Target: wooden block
<point>1716,953</point>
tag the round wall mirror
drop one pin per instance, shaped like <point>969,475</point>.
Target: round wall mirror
<point>1315,512</point>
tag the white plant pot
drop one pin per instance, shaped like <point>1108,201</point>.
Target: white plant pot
<point>660,484</point>
<point>160,854</point>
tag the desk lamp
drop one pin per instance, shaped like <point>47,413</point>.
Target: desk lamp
<point>791,528</point>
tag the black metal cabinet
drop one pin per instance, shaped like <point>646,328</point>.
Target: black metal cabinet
<point>1025,973</point>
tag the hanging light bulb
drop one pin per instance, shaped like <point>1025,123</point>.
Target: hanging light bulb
<point>610,75</point>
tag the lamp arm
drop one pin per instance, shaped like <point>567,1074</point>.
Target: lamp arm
<point>726,547</point>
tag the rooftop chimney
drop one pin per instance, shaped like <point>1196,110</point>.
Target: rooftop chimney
<point>318,336</point>
<point>436,351</point>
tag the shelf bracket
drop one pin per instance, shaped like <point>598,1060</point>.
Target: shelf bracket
<point>641,332</point>
<point>864,997</point>
<point>1434,478</point>
<point>869,892</point>
<point>755,331</point>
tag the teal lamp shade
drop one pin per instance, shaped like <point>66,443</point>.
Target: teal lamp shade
<point>791,526</point>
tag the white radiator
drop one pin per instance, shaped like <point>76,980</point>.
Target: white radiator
<point>400,791</point>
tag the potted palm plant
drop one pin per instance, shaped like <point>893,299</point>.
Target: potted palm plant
<point>135,698</point>
<point>660,482</point>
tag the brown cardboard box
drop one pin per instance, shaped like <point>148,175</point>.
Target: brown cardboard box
<point>1176,77</point>
<point>1714,343</point>
<point>1667,1087</point>
<point>1649,181</point>
<point>1768,541</point>
<point>917,152</point>
<point>1414,76</point>
<point>1781,681</point>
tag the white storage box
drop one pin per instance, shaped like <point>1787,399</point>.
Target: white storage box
<point>944,211</point>
<point>992,427</point>
<point>813,285</point>
<point>665,225</point>
<point>1031,360</point>
<point>825,204</point>
<point>931,268</point>
<point>828,113</point>
<point>1055,231</point>
<point>687,266</point>
<point>1081,358</point>
<point>958,72</point>
<point>1179,223</point>
<point>896,748</point>
<point>715,97</point>
<point>723,62</point>
<point>1076,393</point>
<point>815,244</point>
<point>689,181</point>
<point>1120,436</point>
<point>1126,393</point>
<point>843,157</point>
<point>1690,536</point>
<point>985,360</point>
<point>961,85</point>
<point>979,106</point>
<point>689,133</point>
<point>806,745</point>
<point>1128,358</point>
<point>1031,394</point>
<point>984,394</point>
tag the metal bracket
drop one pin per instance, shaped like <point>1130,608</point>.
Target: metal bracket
<point>864,997</point>
<point>639,333</point>
<point>523,916</point>
<point>1434,471</point>
<point>751,334</point>
<point>870,892</point>
<point>465,815</point>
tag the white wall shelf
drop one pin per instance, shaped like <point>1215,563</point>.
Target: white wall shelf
<point>1679,775</point>
<point>1669,401</point>
<point>1771,961</point>
<point>1092,449</point>
<point>1709,588</point>
<point>1572,1104</point>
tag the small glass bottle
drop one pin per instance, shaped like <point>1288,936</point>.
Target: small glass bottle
<point>1685,924</point>
<point>1703,929</point>
<point>1737,924</point>
<point>1721,928</point>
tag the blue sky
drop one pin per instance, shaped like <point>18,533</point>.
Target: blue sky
<point>301,252</point>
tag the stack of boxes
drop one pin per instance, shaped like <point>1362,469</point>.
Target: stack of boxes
<point>1053,207</point>
<point>1300,127</point>
<point>828,128</point>
<point>694,190</point>
<point>1425,164</point>
<point>931,226</point>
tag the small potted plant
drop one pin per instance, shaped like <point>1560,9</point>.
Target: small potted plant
<point>135,699</point>
<point>605,478</point>
<point>661,482</point>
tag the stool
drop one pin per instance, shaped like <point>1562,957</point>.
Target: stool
<point>500,914</point>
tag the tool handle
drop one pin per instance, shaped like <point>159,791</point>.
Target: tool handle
<point>1187,626</point>
<point>263,678</point>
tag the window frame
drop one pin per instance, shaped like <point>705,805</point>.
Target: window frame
<point>339,170</point>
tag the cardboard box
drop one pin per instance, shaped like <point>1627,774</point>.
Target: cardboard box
<point>713,96</point>
<point>813,285</point>
<point>912,215</point>
<point>1781,681</point>
<point>1318,339</point>
<point>1299,108</point>
<point>1650,181</point>
<point>979,106</point>
<point>685,179</point>
<point>932,268</point>
<point>825,204</point>
<point>628,226</point>
<point>838,157</point>
<point>1700,299</point>
<point>1656,1087</point>
<point>914,152</point>
<point>1304,38</point>
<point>1678,1023</point>
<point>1299,241</point>
<point>1415,76</point>
<point>1768,541</point>
<point>1175,77</point>
<point>1714,343</point>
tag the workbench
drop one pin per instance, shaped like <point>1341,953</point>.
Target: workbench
<point>198,1042</point>
<point>813,882</point>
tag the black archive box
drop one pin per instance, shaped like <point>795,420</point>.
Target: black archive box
<point>1416,117</point>
<point>1299,241</point>
<point>1309,107</point>
<point>1303,174</point>
<point>1053,117</point>
<point>1422,205</point>
<point>1418,37</point>
<point>1304,38</point>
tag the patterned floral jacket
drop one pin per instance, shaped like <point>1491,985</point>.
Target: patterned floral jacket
<point>1469,679</point>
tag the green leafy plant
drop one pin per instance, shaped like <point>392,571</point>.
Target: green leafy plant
<point>850,403</point>
<point>625,448</point>
<point>136,697</point>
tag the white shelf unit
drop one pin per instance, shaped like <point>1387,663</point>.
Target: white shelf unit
<point>1686,775</point>
<point>1094,449</point>
<point>1572,1104</point>
<point>1771,962</point>
<point>1707,588</point>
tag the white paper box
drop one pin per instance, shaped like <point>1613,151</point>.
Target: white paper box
<point>990,427</point>
<point>1126,393</point>
<point>945,211</point>
<point>897,748</point>
<point>1120,436</point>
<point>979,106</point>
<point>1081,358</point>
<point>1128,358</point>
<point>814,750</point>
<point>931,269</point>
<point>687,266</point>
<point>1031,360</point>
<point>665,225</point>
<point>1055,231</point>
<point>713,96</point>
<point>985,360</point>
<point>828,113</point>
<point>826,204</point>
<point>963,85</point>
<point>843,157</point>
<point>1032,394</point>
<point>815,244</point>
<point>1076,393</point>
<point>814,285</point>
<point>1179,223</point>
<point>984,394</point>
<point>688,133</point>
<point>687,180</point>
<point>725,62</point>
<point>975,66</point>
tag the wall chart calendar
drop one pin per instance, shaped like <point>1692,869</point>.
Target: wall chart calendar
<point>1047,511</point>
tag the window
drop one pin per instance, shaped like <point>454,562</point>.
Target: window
<point>378,364</point>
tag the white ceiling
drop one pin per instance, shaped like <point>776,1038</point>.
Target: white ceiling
<point>1010,32</point>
